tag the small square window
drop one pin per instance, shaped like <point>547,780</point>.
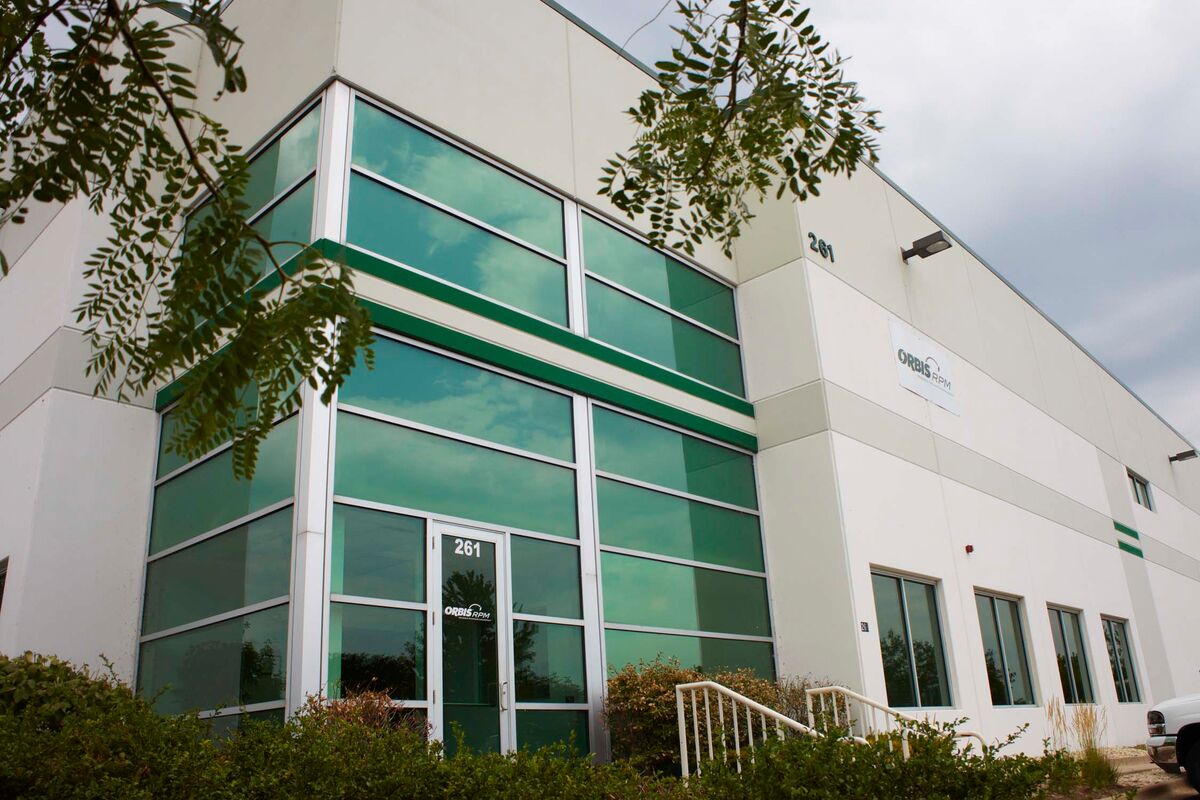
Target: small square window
<point>1141,490</point>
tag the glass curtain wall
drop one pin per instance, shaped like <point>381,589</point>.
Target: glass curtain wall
<point>910,639</point>
<point>681,554</point>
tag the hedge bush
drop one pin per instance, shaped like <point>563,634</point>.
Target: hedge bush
<point>65,733</point>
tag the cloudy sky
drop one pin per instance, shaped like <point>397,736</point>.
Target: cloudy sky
<point>1061,140</point>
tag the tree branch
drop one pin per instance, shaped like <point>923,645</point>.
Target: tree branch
<point>38,21</point>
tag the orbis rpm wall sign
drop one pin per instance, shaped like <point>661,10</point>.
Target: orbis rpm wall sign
<point>924,367</point>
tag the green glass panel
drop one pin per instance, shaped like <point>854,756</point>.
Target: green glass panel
<point>993,655</point>
<point>653,334</point>
<point>537,729</point>
<point>470,644</point>
<point>376,649</point>
<point>224,726</point>
<point>402,228</point>
<point>545,578</point>
<point>619,257</point>
<point>1020,683</point>
<point>390,464</point>
<point>638,591</point>
<point>636,449</point>
<point>933,685</point>
<point>415,384</point>
<point>437,169</point>
<point>549,663</point>
<point>208,496</point>
<point>377,554</point>
<point>224,665</point>
<point>893,642</point>
<point>243,566</point>
<point>288,159</point>
<point>641,519</point>
<point>710,655</point>
<point>168,460</point>
<point>290,224</point>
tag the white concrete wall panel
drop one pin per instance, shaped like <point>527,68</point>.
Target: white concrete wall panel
<point>772,238</point>
<point>779,345</point>
<point>22,442</point>
<point>1175,597</point>
<point>1008,346</point>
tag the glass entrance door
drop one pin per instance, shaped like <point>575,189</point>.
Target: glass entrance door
<point>476,695</point>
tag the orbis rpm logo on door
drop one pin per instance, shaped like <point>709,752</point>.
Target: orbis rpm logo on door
<point>473,611</point>
<point>923,367</point>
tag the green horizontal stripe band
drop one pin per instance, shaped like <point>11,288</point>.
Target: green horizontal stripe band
<point>447,293</point>
<point>1128,548</point>
<point>1125,529</point>
<point>409,325</point>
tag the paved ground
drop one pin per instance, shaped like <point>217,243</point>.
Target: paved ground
<point>1152,783</point>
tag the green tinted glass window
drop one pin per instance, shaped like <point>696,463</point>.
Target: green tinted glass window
<point>377,649</point>
<point>224,726</point>
<point>653,334</point>
<point>545,578</point>
<point>402,228</point>
<point>377,554</point>
<point>636,449</point>
<point>621,258</point>
<point>243,566</point>
<point>207,495</point>
<point>288,159</point>
<point>549,663</point>
<point>893,642</point>
<point>289,223</point>
<point>638,591</point>
<point>536,729</point>
<point>395,465</point>
<point>710,655</point>
<point>408,155</point>
<point>232,663</point>
<point>168,460</point>
<point>425,387</point>
<point>641,519</point>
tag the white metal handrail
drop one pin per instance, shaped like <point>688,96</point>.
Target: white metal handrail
<point>873,718</point>
<point>761,723</point>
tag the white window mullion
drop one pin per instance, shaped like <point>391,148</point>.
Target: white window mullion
<point>333,163</point>
<point>589,555</point>
<point>576,304</point>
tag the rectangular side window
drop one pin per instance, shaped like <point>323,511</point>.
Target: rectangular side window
<point>3,580</point>
<point>910,638</point>
<point>1141,490</point>
<point>1004,651</point>
<point>1120,658</point>
<point>1073,668</point>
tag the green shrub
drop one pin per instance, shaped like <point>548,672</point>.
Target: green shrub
<point>641,715</point>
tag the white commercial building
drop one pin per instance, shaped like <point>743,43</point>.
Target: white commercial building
<point>576,451</point>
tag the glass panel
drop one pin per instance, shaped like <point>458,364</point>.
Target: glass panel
<point>290,224</point>
<point>470,648</point>
<point>648,272</point>
<point>227,664</point>
<point>993,656</point>
<point>638,591</point>
<point>222,726</point>
<point>536,729</point>
<point>710,655</point>
<point>407,155</point>
<point>1121,661</point>
<point>654,454</point>
<point>933,688</point>
<point>395,465</point>
<point>640,519</point>
<point>243,566</point>
<point>402,228</point>
<point>377,554</point>
<point>168,460</point>
<point>1020,682</point>
<point>1060,652</point>
<point>545,578</point>
<point>283,163</point>
<point>893,642</point>
<point>651,333</point>
<point>207,495</point>
<point>1078,658</point>
<point>376,649</point>
<point>549,663</point>
<point>425,387</point>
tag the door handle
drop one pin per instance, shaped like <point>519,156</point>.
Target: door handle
<point>504,695</point>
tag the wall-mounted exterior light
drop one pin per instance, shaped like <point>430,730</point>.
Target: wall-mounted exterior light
<point>927,246</point>
<point>1184,456</point>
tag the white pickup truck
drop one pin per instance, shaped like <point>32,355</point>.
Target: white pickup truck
<point>1174,742</point>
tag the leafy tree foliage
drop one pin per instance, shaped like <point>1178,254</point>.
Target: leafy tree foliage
<point>92,106</point>
<point>750,99</point>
